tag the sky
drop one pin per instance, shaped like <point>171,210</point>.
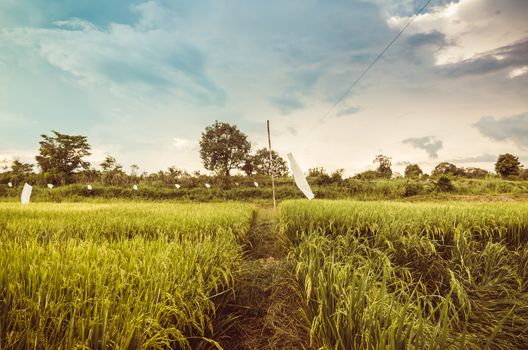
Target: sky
<point>142,79</point>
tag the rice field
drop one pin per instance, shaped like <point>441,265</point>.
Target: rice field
<point>381,275</point>
<point>120,275</point>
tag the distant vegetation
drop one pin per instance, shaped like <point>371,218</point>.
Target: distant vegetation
<point>224,148</point>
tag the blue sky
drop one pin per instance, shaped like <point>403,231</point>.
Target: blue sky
<point>142,79</point>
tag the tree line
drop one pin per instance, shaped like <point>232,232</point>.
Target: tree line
<point>223,149</point>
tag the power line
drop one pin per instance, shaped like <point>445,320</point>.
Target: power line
<point>378,57</point>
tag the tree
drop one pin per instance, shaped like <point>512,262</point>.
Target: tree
<point>474,173</point>
<point>61,154</point>
<point>110,164</point>
<point>112,171</point>
<point>262,166</point>
<point>317,171</point>
<point>445,168</point>
<point>413,171</point>
<point>507,164</point>
<point>134,170</point>
<point>21,169</point>
<point>223,147</point>
<point>367,175</point>
<point>384,166</point>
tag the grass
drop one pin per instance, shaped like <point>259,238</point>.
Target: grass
<point>128,276</point>
<point>350,188</point>
<point>411,276</point>
<point>329,275</point>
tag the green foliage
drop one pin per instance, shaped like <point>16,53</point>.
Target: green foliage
<point>62,154</point>
<point>223,147</point>
<point>121,275</point>
<point>475,173</point>
<point>413,171</point>
<point>260,164</point>
<point>412,189</point>
<point>379,275</point>
<point>445,168</point>
<point>507,165</point>
<point>443,184</point>
<point>317,171</point>
<point>367,175</point>
<point>384,166</point>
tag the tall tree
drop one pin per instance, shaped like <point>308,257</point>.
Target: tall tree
<point>110,164</point>
<point>262,165</point>
<point>507,164</point>
<point>445,168</point>
<point>20,168</point>
<point>384,165</point>
<point>62,154</point>
<point>413,171</point>
<point>223,147</point>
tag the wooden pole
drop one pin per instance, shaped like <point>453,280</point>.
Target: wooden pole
<point>271,166</point>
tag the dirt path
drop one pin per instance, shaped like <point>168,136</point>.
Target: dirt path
<point>265,304</point>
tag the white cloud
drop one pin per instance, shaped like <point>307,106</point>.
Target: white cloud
<point>471,27</point>
<point>181,144</point>
<point>517,72</point>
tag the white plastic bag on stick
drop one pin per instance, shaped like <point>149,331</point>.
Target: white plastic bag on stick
<point>26,194</point>
<point>299,178</point>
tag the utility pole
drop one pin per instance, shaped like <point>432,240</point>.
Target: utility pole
<point>271,166</point>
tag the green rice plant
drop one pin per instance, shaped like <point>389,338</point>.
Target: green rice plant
<point>155,281</point>
<point>411,276</point>
<point>47,222</point>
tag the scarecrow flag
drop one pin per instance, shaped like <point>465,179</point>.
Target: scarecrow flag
<point>299,178</point>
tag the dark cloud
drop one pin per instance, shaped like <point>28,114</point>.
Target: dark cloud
<point>434,38</point>
<point>286,104</point>
<point>513,128</point>
<point>292,130</point>
<point>348,111</point>
<point>506,57</point>
<point>427,143</point>
<point>481,158</point>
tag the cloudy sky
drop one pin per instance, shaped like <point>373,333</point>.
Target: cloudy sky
<point>142,79</point>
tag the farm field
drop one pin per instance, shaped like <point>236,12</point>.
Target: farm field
<point>381,275</point>
<point>121,275</point>
<point>318,274</point>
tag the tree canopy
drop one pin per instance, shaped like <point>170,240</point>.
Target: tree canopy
<point>507,164</point>
<point>413,171</point>
<point>63,154</point>
<point>223,147</point>
<point>260,164</point>
<point>384,165</point>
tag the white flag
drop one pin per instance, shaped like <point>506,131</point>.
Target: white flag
<point>26,193</point>
<point>299,178</point>
<point>89,187</point>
